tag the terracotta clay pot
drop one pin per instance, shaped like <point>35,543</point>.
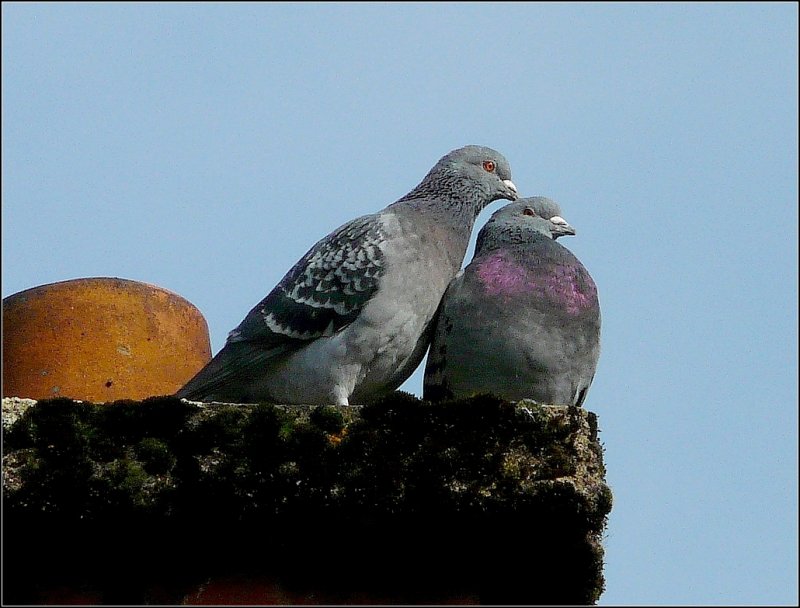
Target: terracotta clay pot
<point>100,339</point>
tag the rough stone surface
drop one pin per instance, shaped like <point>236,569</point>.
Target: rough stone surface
<point>13,408</point>
<point>413,502</point>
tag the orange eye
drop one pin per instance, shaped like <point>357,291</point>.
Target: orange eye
<point>529,211</point>
<point>488,165</point>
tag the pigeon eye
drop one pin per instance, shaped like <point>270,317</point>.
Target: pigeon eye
<point>529,211</point>
<point>488,165</point>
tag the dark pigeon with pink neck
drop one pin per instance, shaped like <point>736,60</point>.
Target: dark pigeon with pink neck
<point>522,320</point>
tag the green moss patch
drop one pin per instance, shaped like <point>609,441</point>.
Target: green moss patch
<point>479,495</point>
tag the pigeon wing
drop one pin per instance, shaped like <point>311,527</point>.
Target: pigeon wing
<point>324,292</point>
<point>321,294</point>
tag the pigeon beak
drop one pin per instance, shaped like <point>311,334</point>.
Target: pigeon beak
<point>510,190</point>
<point>561,227</point>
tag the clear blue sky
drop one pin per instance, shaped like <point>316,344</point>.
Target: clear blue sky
<point>206,147</point>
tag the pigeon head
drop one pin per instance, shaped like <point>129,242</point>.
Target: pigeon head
<point>541,205</point>
<point>473,176</point>
<point>521,221</point>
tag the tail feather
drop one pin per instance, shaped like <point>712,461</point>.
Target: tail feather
<point>230,374</point>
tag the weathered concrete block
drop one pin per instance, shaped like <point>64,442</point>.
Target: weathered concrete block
<point>403,500</point>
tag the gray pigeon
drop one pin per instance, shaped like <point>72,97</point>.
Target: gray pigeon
<point>353,318</point>
<point>522,320</point>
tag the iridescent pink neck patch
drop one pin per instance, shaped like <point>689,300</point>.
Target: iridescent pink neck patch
<point>568,286</point>
<point>501,277</point>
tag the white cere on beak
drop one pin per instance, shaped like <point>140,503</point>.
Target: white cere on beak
<point>557,219</point>
<point>510,184</point>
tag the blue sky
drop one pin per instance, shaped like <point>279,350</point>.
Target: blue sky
<point>205,147</point>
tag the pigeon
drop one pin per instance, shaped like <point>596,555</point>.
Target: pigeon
<point>522,320</point>
<point>352,319</point>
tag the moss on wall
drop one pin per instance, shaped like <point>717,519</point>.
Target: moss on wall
<point>507,501</point>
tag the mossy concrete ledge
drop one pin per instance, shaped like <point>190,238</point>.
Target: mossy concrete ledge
<point>407,501</point>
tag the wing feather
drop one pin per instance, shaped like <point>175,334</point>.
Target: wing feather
<point>321,294</point>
